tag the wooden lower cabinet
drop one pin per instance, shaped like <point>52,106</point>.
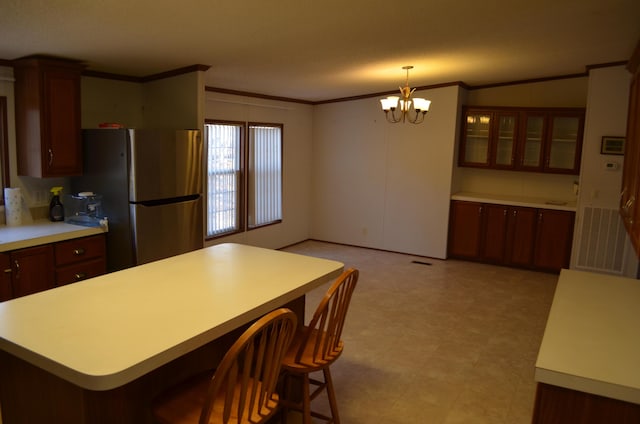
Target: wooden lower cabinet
<point>494,243</point>
<point>558,405</point>
<point>6,286</point>
<point>34,269</point>
<point>521,233</point>
<point>511,235</point>
<point>465,229</point>
<point>79,259</point>
<point>508,235</point>
<point>554,236</point>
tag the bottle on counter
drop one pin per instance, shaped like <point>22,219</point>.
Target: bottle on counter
<point>56,209</point>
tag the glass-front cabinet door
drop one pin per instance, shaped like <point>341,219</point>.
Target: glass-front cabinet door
<point>505,141</point>
<point>563,147</point>
<point>531,139</point>
<point>476,139</point>
<point>533,142</point>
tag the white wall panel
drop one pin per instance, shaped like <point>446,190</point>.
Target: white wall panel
<point>384,185</point>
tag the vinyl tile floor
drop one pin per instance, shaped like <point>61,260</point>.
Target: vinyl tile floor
<point>437,342</point>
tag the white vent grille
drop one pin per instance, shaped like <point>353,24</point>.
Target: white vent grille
<point>601,246</point>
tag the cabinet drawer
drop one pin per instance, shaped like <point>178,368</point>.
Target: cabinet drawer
<point>81,271</point>
<point>77,250</point>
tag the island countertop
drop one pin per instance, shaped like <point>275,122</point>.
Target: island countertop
<point>107,331</point>
<point>591,342</point>
<point>42,232</point>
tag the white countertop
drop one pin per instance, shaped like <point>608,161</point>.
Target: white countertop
<point>531,202</point>
<point>592,339</point>
<point>41,232</point>
<point>105,332</point>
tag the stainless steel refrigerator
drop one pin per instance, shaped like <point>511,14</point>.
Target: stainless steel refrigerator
<point>151,187</point>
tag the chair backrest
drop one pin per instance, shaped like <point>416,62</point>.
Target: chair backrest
<point>249,370</point>
<point>322,338</point>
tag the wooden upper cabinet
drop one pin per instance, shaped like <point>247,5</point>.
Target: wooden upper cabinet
<point>564,142</point>
<point>629,208</point>
<point>505,140</point>
<point>531,149</point>
<point>534,139</point>
<point>476,145</point>
<point>489,139</point>
<point>48,126</point>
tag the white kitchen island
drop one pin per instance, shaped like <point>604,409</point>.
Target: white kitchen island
<point>588,366</point>
<point>97,351</point>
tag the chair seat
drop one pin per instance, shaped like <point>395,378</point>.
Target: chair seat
<point>183,404</point>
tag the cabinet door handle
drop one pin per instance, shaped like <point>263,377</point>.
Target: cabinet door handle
<point>50,157</point>
<point>504,212</point>
<point>627,208</point>
<point>17,265</point>
<point>79,251</point>
<point>80,276</point>
<point>8,271</point>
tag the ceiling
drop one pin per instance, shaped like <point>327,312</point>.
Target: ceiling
<point>319,50</point>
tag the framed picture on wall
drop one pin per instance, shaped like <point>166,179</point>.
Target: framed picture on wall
<point>612,145</point>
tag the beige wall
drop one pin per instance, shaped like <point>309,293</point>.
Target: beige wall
<point>105,100</point>
<point>567,92</point>
<point>174,102</point>
<point>383,185</point>
<point>607,105</point>
<point>297,162</point>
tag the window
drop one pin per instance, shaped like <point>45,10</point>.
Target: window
<point>244,168</point>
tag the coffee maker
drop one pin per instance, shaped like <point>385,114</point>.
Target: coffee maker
<point>84,208</point>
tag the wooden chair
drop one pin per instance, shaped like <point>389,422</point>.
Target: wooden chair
<point>242,390</point>
<point>315,347</point>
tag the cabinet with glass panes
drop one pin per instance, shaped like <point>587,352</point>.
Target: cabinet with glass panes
<point>489,138</point>
<point>524,139</point>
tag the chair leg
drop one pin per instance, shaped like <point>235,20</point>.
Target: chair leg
<point>306,400</point>
<point>286,392</point>
<point>333,404</point>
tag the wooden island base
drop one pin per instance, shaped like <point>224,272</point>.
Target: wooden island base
<point>557,405</point>
<point>30,394</point>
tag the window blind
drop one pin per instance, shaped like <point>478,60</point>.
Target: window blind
<point>223,167</point>
<point>265,175</point>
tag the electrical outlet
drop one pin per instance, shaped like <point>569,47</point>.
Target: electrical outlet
<point>41,197</point>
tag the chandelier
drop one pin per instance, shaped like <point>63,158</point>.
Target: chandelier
<point>411,109</point>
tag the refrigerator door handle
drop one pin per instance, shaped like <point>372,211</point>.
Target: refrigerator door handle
<point>160,202</point>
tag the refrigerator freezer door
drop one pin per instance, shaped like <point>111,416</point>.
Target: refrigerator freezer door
<point>166,229</point>
<point>164,164</point>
